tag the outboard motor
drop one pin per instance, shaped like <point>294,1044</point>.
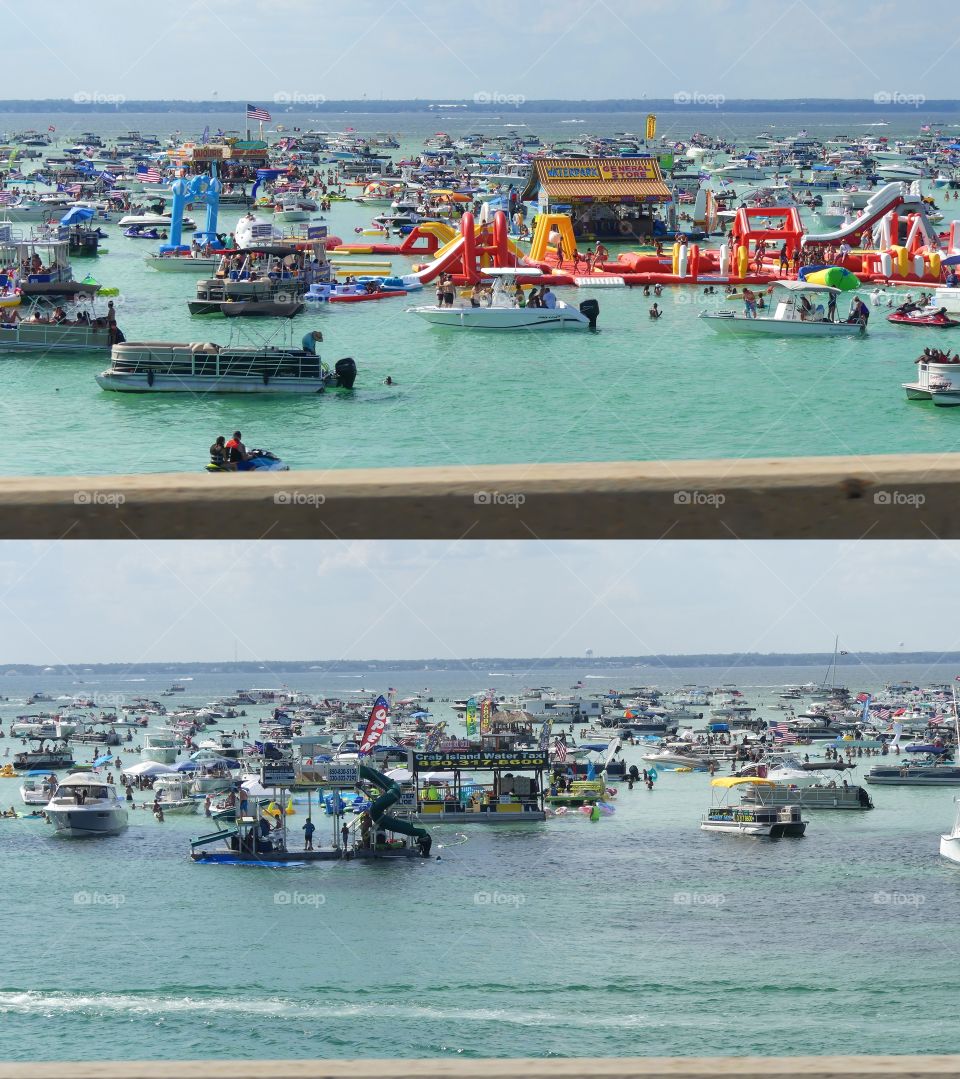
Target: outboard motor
<point>591,309</point>
<point>346,371</point>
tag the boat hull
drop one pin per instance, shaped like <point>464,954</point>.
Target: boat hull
<point>950,848</point>
<point>739,324</point>
<point>83,823</point>
<point>778,830</point>
<point>506,318</point>
<point>47,337</point>
<point>172,264</point>
<point>139,383</point>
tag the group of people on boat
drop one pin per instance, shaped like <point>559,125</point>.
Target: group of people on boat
<point>936,355</point>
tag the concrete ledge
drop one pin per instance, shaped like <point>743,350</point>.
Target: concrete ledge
<point>880,1067</point>
<point>893,497</point>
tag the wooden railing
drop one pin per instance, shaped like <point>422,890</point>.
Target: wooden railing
<point>903,496</point>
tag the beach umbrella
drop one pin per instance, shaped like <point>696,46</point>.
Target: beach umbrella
<point>76,214</point>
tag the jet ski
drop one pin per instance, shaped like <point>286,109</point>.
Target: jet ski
<point>139,232</point>
<point>926,317</point>
<point>259,461</point>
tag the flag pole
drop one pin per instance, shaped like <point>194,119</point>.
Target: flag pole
<point>246,114</point>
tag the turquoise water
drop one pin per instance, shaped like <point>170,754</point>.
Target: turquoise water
<point>634,935</point>
<point>636,390</point>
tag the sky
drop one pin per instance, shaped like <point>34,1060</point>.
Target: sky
<point>142,601</point>
<point>256,49</point>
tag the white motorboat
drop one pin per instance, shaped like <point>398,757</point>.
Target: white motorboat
<point>173,793</point>
<point>160,745</point>
<point>152,221</point>
<point>796,315</point>
<point>936,382</point>
<point>500,311</point>
<point>38,790</point>
<point>292,207</point>
<point>947,297</point>
<point>86,805</point>
<point>198,265</point>
<point>950,842</point>
<point>905,173</point>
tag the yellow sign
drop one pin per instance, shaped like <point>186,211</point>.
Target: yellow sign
<point>644,168</point>
<point>651,126</point>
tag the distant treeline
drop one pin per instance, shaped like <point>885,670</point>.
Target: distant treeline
<point>499,663</point>
<point>511,104</point>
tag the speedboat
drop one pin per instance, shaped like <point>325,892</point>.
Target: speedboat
<point>936,382</point>
<point>86,805</point>
<point>257,461</point>
<point>500,312</point>
<point>796,315</point>
<point>772,822</point>
<point>38,788</point>
<point>173,794</point>
<point>151,220</point>
<point>160,745</point>
<point>950,843</point>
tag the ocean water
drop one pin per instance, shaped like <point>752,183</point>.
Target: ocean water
<point>636,390</point>
<point>634,935</point>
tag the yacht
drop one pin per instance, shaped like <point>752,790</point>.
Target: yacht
<point>85,805</point>
<point>160,745</point>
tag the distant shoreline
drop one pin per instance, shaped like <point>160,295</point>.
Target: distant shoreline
<point>516,105</point>
<point>481,665</point>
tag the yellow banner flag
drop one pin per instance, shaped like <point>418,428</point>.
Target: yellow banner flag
<point>651,126</point>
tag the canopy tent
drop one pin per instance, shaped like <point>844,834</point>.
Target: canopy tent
<point>149,768</point>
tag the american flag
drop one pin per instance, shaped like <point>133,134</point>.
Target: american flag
<point>881,713</point>
<point>73,189</point>
<point>6,197</point>
<point>254,112</point>
<point>149,175</point>
<point>560,750</point>
<point>781,733</point>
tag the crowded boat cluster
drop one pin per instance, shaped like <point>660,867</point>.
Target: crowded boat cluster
<point>269,770</point>
<point>791,227</point>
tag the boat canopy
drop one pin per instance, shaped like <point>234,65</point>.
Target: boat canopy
<point>737,781</point>
<point>805,286</point>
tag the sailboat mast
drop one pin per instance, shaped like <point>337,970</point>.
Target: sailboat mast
<point>828,678</point>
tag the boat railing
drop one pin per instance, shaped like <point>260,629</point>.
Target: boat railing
<point>185,362</point>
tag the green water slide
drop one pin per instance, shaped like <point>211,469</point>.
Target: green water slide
<point>390,796</point>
